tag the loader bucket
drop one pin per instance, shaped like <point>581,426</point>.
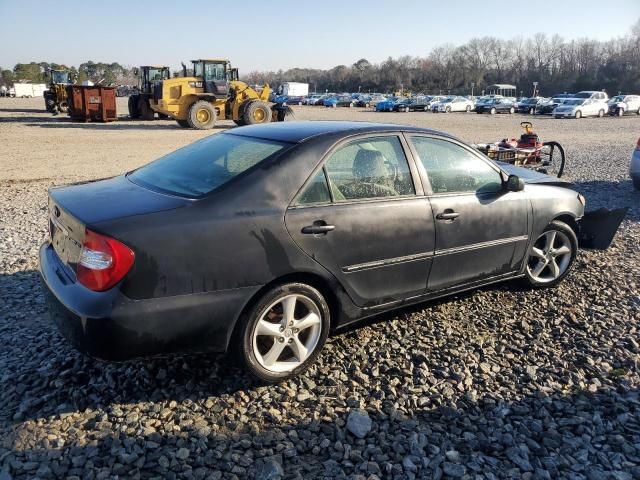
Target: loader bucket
<point>598,227</point>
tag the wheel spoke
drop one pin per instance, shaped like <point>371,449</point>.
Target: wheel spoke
<point>551,238</point>
<point>273,354</point>
<point>538,268</point>
<point>555,269</point>
<point>309,321</point>
<point>289,308</point>
<point>536,252</point>
<point>268,328</point>
<point>299,349</point>
<point>564,250</point>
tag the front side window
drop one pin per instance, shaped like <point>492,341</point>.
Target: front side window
<point>374,167</point>
<point>454,169</point>
<point>214,71</point>
<point>203,166</point>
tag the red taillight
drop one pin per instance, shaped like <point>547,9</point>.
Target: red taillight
<point>104,261</point>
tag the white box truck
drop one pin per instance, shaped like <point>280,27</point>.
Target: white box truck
<point>28,90</point>
<point>293,89</point>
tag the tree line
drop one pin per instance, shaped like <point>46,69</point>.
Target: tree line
<point>557,65</point>
<point>34,72</point>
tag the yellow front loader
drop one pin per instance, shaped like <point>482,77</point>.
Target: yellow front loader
<point>213,92</point>
<point>55,98</point>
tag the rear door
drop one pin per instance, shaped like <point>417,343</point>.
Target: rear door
<point>481,229</point>
<point>364,217</point>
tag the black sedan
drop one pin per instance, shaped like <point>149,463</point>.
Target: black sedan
<point>418,104</point>
<point>497,105</point>
<point>264,238</point>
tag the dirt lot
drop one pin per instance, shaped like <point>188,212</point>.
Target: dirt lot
<point>499,383</point>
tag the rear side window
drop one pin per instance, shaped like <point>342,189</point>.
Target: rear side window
<point>203,166</point>
<point>453,169</point>
<point>375,167</point>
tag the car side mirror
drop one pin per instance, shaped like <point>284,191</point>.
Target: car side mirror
<point>515,183</point>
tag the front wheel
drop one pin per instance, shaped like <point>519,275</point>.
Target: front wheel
<point>601,113</point>
<point>468,109</point>
<point>578,115</point>
<point>551,256</point>
<point>512,110</point>
<point>620,112</point>
<point>201,115</point>
<point>284,332</point>
<point>493,111</point>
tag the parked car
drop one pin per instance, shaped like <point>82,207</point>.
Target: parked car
<point>579,107</point>
<point>388,104</point>
<point>624,104</point>
<point>547,108</point>
<point>370,100</point>
<point>312,99</point>
<point>237,241</point>
<point>339,101</point>
<point>496,105</point>
<point>454,104</point>
<point>530,105</point>
<point>634,167</point>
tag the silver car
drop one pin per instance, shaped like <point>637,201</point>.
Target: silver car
<point>624,104</point>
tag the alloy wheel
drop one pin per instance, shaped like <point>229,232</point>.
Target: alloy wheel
<point>550,256</point>
<point>286,333</point>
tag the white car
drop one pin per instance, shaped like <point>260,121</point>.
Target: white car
<point>623,104</point>
<point>634,167</point>
<point>454,104</point>
<point>578,108</point>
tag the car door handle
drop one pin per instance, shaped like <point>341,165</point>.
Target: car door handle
<point>448,214</point>
<point>317,228</point>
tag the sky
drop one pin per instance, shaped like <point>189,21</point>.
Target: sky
<point>263,35</point>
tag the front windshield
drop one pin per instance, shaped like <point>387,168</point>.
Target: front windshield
<point>583,95</point>
<point>156,74</point>
<point>531,101</point>
<point>203,166</point>
<point>60,77</point>
<point>617,98</point>
<point>447,100</point>
<point>574,102</point>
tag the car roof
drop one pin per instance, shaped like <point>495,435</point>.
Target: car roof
<point>299,131</point>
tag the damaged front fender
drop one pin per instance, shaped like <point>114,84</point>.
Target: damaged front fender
<point>598,227</point>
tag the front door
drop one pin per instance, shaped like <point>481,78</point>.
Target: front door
<point>481,229</point>
<point>363,218</point>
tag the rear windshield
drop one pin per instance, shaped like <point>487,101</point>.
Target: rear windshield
<point>203,166</point>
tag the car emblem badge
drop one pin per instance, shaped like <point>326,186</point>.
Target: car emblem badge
<point>288,332</point>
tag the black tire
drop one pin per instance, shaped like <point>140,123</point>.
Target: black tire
<point>146,113</point>
<point>578,115</point>
<point>600,113</point>
<point>50,103</point>
<point>202,115</point>
<point>132,104</point>
<point>284,115</point>
<point>556,160</point>
<point>244,333</point>
<point>556,225</point>
<point>183,123</point>
<point>256,112</point>
<point>620,112</point>
<point>447,110</point>
<point>512,110</point>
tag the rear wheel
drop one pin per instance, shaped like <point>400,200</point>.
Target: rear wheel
<point>132,104</point>
<point>512,110</point>
<point>284,332</point>
<point>493,111</point>
<point>256,112</point>
<point>202,115</point>
<point>552,158</point>
<point>601,113</point>
<point>551,256</point>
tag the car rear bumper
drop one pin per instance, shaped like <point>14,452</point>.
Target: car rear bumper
<point>110,326</point>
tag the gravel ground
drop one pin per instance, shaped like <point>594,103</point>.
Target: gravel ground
<point>498,383</point>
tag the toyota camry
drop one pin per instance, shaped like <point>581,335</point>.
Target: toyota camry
<point>263,239</point>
